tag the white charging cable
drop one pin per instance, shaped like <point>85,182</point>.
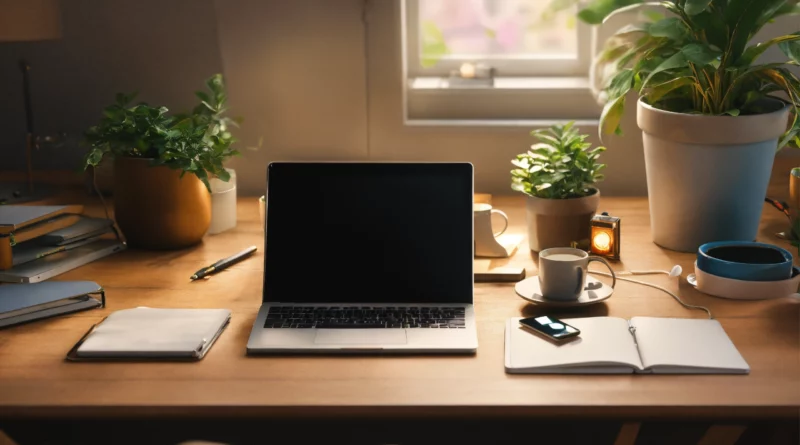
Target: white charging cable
<point>675,272</point>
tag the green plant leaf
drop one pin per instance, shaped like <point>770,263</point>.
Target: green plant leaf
<point>787,9</point>
<point>672,28</point>
<point>223,175</point>
<point>655,93</point>
<point>776,10</point>
<point>790,46</point>
<point>711,25</point>
<point>196,142</point>
<point>203,96</point>
<point>598,10</point>
<point>557,167</point>
<point>639,5</point>
<point>733,112</point>
<point>694,7</point>
<point>701,54</point>
<point>612,116</point>
<point>742,17</point>
<point>621,84</point>
<point>653,16</point>
<point>676,61</point>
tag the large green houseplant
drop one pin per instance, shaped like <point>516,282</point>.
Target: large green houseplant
<point>712,114</point>
<point>157,205</point>
<point>558,175</point>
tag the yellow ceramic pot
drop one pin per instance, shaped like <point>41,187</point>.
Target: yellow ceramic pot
<point>157,209</point>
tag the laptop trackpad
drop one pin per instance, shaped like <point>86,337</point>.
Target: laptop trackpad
<point>360,337</point>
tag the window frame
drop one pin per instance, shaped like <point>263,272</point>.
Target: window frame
<point>510,66</point>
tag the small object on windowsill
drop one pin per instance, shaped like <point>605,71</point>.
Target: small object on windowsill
<point>471,75</point>
<point>605,238</point>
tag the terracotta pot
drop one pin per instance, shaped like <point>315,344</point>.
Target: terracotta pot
<point>157,209</point>
<point>559,222</point>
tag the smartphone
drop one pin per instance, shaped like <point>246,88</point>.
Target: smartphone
<point>550,327</point>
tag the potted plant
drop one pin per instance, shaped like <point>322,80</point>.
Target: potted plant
<point>156,204</point>
<point>711,113</point>
<point>558,175</point>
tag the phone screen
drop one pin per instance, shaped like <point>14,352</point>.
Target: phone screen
<point>550,326</point>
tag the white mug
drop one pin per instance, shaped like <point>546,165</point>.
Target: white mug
<point>483,219</point>
<point>562,273</point>
<point>485,244</point>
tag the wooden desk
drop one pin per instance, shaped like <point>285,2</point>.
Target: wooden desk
<point>35,381</point>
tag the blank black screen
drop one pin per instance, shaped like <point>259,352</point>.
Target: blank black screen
<point>369,233</point>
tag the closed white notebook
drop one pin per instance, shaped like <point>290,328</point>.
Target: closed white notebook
<point>609,345</point>
<point>155,333</point>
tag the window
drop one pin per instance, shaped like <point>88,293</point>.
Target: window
<point>516,37</point>
<point>540,57</point>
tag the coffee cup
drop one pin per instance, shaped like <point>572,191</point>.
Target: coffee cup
<point>482,214</point>
<point>562,273</point>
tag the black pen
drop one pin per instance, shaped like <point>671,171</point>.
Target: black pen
<point>222,264</point>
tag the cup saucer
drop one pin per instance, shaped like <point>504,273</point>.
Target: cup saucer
<point>594,292</point>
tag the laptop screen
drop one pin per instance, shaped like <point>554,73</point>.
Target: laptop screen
<point>369,233</point>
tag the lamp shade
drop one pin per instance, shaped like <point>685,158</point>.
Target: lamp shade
<point>29,20</point>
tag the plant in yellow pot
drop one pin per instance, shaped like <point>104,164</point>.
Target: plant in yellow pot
<point>156,204</point>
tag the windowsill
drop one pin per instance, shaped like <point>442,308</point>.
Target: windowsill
<point>432,101</point>
<point>500,123</point>
<point>505,83</point>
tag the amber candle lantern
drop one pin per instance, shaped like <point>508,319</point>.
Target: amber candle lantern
<point>605,236</point>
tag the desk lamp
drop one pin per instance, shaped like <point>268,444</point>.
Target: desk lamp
<point>27,21</point>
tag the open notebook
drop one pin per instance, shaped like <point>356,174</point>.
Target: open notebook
<point>609,345</point>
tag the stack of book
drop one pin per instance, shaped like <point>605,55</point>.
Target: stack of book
<point>39,242</point>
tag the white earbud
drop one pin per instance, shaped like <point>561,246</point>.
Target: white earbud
<point>676,271</point>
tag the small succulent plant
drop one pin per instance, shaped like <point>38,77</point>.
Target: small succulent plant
<point>561,165</point>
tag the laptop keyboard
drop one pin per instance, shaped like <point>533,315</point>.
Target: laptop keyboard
<point>336,317</point>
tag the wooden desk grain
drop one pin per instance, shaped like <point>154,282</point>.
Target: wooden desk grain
<point>36,381</point>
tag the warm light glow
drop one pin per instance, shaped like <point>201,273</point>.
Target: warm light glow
<point>605,236</point>
<point>602,242</point>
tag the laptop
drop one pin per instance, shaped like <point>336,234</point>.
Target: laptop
<point>367,257</point>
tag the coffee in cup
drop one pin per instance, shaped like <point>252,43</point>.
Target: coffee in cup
<point>562,273</point>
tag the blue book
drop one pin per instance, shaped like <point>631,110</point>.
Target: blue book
<point>22,303</point>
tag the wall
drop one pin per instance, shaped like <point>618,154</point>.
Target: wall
<point>163,49</point>
<point>315,79</point>
<point>295,70</point>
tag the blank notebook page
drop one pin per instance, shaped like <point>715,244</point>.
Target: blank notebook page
<point>603,341</point>
<point>694,344</point>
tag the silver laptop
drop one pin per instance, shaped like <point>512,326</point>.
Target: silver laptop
<point>367,257</point>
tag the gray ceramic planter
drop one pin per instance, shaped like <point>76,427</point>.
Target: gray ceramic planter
<point>559,222</point>
<point>707,176</point>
